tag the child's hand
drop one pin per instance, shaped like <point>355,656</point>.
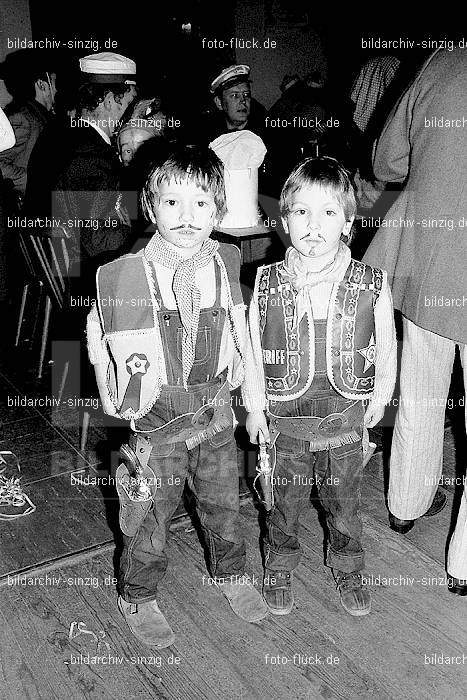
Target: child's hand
<point>108,407</point>
<point>373,415</point>
<point>256,425</point>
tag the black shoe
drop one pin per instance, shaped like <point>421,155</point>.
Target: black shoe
<point>277,591</point>
<point>400,526</point>
<point>437,505</point>
<point>355,599</point>
<point>403,526</point>
<point>457,586</point>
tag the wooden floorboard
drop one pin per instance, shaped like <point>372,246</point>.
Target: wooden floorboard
<point>68,518</point>
<point>432,534</point>
<point>382,655</point>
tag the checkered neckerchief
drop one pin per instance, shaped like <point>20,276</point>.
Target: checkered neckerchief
<point>187,294</point>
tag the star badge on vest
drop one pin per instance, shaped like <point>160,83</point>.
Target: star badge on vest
<point>137,366</point>
<point>369,353</point>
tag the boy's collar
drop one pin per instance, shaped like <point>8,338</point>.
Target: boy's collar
<point>300,277</point>
<point>310,263</point>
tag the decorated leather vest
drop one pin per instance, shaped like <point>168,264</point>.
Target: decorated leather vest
<point>288,342</point>
<point>128,309</point>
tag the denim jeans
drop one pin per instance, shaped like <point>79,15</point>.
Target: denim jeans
<point>212,475</point>
<point>337,475</point>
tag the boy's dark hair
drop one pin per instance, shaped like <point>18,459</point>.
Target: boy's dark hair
<point>197,163</point>
<point>91,95</point>
<point>326,172</point>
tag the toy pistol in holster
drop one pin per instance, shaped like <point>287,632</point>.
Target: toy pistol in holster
<point>136,485</point>
<point>264,474</point>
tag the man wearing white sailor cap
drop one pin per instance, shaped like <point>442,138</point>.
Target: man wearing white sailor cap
<point>86,195</point>
<point>232,96</point>
<point>89,181</point>
<point>109,85</point>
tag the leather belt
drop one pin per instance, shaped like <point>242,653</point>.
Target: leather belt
<point>193,428</point>
<point>314,427</point>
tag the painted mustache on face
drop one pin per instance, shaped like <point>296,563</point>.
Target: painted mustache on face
<point>185,228</point>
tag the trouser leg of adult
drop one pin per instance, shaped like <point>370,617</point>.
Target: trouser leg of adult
<point>457,553</point>
<point>417,445</point>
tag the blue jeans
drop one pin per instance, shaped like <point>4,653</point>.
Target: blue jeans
<point>211,472</point>
<point>337,475</point>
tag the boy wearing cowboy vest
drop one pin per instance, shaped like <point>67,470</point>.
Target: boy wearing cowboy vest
<point>321,360</point>
<point>167,343</point>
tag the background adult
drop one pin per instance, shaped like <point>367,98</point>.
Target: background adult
<point>31,81</point>
<point>423,246</point>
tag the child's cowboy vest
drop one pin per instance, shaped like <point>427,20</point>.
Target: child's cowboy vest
<point>288,343</point>
<point>128,309</point>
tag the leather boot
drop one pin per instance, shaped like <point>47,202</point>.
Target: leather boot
<point>147,623</point>
<point>277,591</point>
<point>244,599</point>
<point>355,599</point>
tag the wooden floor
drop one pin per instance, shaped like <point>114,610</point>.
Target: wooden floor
<point>61,635</point>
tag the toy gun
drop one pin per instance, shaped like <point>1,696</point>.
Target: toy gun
<point>264,474</point>
<point>137,488</point>
<point>136,485</point>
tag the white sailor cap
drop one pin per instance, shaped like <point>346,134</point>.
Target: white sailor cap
<point>231,76</point>
<point>108,67</point>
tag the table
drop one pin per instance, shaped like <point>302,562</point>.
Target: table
<point>243,237</point>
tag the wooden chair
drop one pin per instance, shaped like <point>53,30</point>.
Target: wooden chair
<point>33,288</point>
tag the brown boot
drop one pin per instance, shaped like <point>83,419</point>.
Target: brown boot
<point>147,623</point>
<point>277,591</point>
<point>244,599</point>
<point>355,599</point>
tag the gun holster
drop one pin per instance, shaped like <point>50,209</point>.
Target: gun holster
<point>136,485</point>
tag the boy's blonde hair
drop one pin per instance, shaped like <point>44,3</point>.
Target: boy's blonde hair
<point>197,163</point>
<point>326,172</point>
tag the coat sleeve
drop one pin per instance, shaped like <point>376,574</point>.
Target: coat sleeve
<point>392,150</point>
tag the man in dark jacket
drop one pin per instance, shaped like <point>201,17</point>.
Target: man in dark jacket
<point>309,119</point>
<point>86,198</point>
<point>32,85</point>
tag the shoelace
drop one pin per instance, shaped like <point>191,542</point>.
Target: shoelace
<point>11,492</point>
<point>348,581</point>
<point>282,578</point>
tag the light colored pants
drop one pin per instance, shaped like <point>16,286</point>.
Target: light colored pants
<point>417,445</point>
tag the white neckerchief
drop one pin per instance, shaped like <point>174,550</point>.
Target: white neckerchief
<point>302,279</point>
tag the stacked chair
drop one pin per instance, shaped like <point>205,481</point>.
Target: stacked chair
<point>47,265</point>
